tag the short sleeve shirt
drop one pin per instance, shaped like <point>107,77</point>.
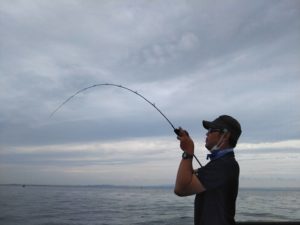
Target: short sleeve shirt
<point>216,205</point>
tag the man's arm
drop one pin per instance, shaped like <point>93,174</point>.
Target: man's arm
<point>187,183</point>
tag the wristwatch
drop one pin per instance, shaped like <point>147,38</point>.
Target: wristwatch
<point>186,155</point>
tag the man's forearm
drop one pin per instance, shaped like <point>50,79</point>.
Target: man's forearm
<point>186,182</point>
<point>184,176</point>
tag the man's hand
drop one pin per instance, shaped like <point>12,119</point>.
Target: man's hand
<point>187,182</point>
<point>186,143</point>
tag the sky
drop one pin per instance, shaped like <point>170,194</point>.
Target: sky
<point>195,60</point>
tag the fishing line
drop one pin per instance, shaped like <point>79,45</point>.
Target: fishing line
<point>176,130</point>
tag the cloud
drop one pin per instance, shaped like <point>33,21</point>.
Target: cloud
<point>194,59</point>
<point>134,158</point>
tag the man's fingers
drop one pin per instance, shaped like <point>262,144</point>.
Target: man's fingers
<point>181,133</point>
<point>187,133</point>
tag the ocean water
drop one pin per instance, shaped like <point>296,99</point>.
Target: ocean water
<point>106,205</point>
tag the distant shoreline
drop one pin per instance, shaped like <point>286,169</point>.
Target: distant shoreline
<point>142,186</point>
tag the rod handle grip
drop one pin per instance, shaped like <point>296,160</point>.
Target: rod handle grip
<point>177,131</point>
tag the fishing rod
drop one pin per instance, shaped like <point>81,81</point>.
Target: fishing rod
<point>176,130</point>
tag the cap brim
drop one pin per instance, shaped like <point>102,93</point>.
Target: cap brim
<point>207,125</point>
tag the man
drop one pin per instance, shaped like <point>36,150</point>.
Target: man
<point>215,184</point>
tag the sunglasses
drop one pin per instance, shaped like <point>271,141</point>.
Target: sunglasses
<point>211,130</point>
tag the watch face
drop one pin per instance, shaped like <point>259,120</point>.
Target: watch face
<point>185,155</point>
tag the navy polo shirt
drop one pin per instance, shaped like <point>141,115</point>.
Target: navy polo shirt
<point>216,205</point>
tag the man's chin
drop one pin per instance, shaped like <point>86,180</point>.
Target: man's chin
<point>208,147</point>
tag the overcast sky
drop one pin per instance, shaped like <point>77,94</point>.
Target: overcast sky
<point>195,60</point>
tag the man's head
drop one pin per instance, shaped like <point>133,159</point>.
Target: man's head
<point>225,124</point>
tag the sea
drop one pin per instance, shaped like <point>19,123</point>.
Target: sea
<point>120,205</point>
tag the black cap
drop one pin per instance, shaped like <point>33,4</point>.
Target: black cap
<point>224,123</point>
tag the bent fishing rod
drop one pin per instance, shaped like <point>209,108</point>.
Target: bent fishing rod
<point>176,130</point>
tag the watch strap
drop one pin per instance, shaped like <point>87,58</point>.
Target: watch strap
<point>186,155</point>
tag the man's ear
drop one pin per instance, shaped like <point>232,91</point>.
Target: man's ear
<point>227,136</point>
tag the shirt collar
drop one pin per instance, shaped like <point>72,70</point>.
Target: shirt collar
<point>218,153</point>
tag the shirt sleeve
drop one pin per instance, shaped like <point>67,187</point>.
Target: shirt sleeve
<point>212,176</point>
